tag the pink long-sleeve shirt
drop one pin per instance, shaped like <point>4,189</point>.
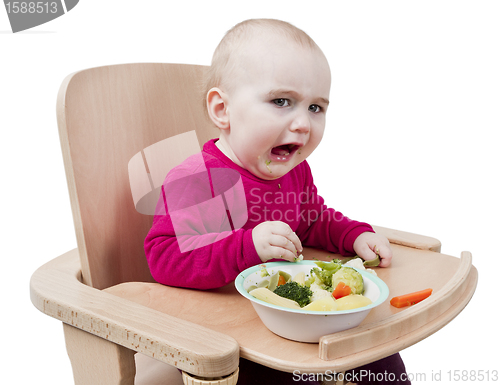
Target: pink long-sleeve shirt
<point>201,235</point>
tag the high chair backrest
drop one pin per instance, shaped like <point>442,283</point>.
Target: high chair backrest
<point>113,122</point>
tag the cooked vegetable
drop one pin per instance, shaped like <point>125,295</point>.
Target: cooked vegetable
<point>351,278</point>
<point>322,275</point>
<point>268,296</point>
<point>332,265</point>
<point>352,302</point>
<point>281,280</point>
<point>372,262</point>
<point>411,298</point>
<point>341,290</point>
<point>318,292</point>
<point>358,264</point>
<point>298,293</point>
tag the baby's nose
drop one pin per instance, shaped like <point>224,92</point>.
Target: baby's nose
<point>301,123</point>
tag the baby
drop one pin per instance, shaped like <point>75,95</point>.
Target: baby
<point>267,92</point>
<point>249,196</point>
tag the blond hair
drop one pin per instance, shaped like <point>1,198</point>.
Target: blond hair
<point>235,39</point>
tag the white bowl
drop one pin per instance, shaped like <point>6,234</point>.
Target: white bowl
<point>301,325</point>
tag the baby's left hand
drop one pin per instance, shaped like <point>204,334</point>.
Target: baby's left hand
<point>368,245</point>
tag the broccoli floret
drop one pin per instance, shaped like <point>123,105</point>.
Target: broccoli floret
<point>298,293</point>
<point>322,275</point>
<point>316,278</point>
<point>264,272</point>
<point>326,277</point>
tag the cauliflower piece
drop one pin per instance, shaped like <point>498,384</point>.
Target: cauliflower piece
<point>356,262</point>
<point>318,292</point>
<point>359,264</point>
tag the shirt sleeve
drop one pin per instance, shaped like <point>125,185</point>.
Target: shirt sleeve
<point>210,266</point>
<point>324,227</point>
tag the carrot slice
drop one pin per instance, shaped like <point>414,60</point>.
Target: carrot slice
<point>411,298</point>
<point>341,290</point>
<point>281,280</point>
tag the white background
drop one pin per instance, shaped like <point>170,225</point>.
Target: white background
<point>411,141</point>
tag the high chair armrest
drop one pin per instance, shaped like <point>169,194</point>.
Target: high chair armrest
<point>404,238</point>
<point>56,290</point>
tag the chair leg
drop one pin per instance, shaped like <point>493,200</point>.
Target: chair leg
<point>97,361</point>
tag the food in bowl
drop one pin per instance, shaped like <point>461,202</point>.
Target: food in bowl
<point>330,286</point>
<point>298,323</point>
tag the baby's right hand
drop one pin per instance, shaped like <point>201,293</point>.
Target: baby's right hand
<point>275,239</point>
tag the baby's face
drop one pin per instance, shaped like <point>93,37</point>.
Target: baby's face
<point>276,100</point>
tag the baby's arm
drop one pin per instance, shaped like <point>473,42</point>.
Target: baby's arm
<point>368,245</point>
<point>207,267</point>
<point>275,239</point>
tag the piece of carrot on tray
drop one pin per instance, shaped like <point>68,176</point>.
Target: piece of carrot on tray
<point>411,298</point>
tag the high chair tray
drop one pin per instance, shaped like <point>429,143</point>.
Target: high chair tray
<point>386,329</point>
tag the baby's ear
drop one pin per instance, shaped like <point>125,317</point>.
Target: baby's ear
<point>216,107</point>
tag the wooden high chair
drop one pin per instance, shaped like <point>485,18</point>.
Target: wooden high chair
<point>122,128</point>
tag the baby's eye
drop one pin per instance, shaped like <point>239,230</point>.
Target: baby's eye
<point>281,102</point>
<point>314,108</point>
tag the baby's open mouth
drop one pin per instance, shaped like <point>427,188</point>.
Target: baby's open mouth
<point>284,150</point>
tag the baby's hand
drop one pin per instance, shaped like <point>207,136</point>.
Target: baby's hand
<point>368,245</point>
<point>275,239</point>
